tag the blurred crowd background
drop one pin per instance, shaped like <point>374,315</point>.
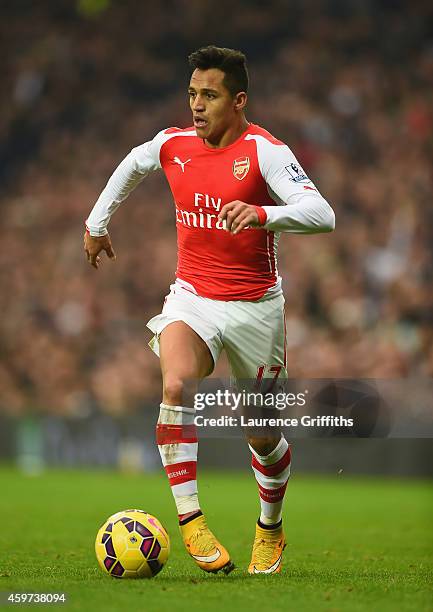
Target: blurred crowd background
<point>347,84</point>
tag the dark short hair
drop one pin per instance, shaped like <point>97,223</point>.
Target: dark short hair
<point>233,63</point>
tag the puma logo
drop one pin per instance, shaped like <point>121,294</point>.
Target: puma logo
<point>181,163</point>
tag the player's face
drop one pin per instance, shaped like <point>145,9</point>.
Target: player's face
<point>214,109</point>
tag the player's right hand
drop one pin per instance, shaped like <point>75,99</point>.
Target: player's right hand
<point>93,245</point>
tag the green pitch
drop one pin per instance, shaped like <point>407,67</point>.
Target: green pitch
<point>354,543</point>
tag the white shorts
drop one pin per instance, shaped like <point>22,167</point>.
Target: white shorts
<point>252,333</point>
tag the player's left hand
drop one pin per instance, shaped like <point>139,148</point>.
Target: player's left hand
<point>93,245</point>
<point>238,215</point>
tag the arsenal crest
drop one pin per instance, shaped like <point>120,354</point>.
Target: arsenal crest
<point>241,165</point>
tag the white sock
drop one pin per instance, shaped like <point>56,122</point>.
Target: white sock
<point>272,473</point>
<point>176,437</point>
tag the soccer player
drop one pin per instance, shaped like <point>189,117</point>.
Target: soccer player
<point>235,189</point>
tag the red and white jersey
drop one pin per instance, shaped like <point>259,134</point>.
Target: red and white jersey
<point>257,169</point>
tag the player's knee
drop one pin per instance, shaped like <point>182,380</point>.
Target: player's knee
<point>263,445</point>
<point>173,390</point>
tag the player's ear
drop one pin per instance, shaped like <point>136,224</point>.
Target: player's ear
<point>240,101</point>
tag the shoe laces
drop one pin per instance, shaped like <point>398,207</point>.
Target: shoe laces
<point>264,550</point>
<point>203,540</point>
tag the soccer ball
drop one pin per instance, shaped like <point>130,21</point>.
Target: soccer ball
<point>132,544</point>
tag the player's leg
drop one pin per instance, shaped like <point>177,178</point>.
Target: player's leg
<point>185,360</point>
<point>256,351</point>
<point>271,467</point>
<point>187,342</point>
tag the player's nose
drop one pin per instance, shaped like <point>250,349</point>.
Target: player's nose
<point>198,104</point>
